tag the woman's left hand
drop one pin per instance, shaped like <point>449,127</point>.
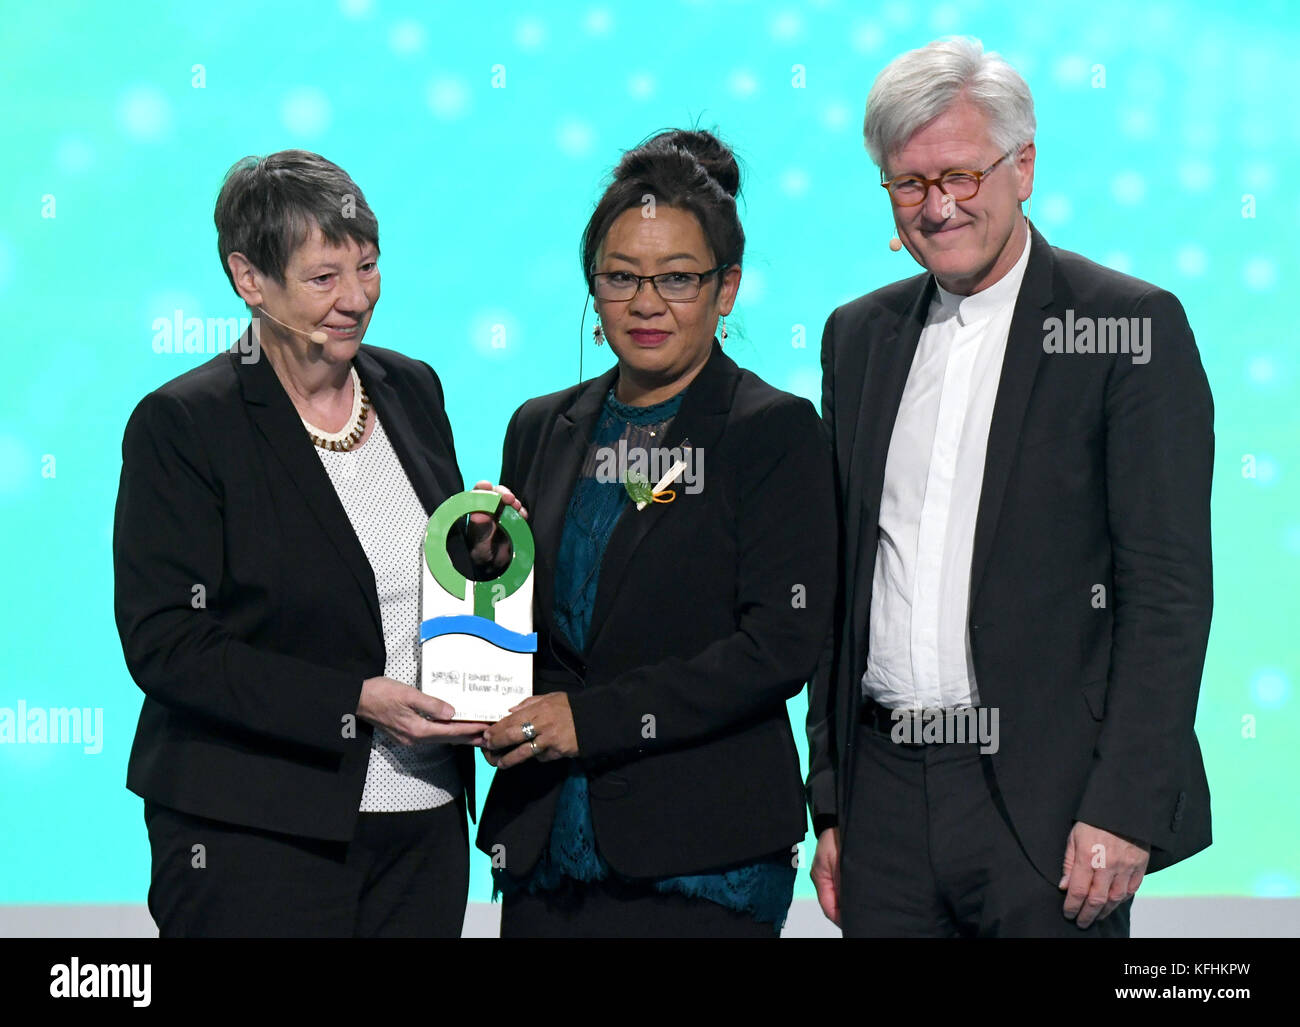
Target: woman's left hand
<point>489,545</point>
<point>554,736</point>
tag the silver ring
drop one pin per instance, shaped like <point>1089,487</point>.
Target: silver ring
<point>529,731</point>
<point>534,745</point>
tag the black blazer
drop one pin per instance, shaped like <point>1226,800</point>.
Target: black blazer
<point>710,614</point>
<point>249,685</point>
<point>1097,473</point>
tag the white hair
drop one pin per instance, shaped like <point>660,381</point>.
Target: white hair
<point>918,86</point>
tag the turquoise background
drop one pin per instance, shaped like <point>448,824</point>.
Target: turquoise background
<point>482,194</point>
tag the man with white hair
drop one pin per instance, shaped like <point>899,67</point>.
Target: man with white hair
<point>1001,732</point>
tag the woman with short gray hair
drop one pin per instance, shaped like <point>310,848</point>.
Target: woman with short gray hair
<point>267,551</point>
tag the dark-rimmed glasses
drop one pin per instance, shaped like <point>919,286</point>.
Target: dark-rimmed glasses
<point>670,285</point>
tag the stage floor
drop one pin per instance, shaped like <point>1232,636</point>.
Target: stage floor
<point>1208,917</point>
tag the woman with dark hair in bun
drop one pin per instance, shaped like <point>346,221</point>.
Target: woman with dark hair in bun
<point>684,518</point>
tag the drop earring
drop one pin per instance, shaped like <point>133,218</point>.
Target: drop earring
<point>598,333</point>
<point>895,244</point>
<point>724,330</point>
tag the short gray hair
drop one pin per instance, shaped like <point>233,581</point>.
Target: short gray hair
<point>918,86</point>
<point>268,205</point>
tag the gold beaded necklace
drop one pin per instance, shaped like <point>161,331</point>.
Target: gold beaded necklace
<point>351,433</point>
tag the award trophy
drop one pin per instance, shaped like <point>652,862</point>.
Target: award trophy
<point>476,637</point>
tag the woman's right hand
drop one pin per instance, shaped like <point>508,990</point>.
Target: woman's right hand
<point>410,716</point>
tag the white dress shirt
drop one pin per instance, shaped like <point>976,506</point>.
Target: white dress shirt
<point>389,521</point>
<point>919,654</point>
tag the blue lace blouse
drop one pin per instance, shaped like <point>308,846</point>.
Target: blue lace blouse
<point>762,889</point>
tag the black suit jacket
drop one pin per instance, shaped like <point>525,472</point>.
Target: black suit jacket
<point>710,614</point>
<point>1097,473</point>
<point>250,682</point>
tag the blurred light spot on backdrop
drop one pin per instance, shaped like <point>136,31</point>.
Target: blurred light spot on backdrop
<point>406,37</point>
<point>1137,123</point>
<point>1192,260</point>
<point>1269,688</point>
<point>742,84</point>
<point>641,85</point>
<point>867,38</point>
<point>1195,175</point>
<point>530,34</point>
<point>1260,176</point>
<point>1275,884</point>
<point>1119,260</point>
<point>19,468</point>
<point>74,156</point>
<point>1070,71</point>
<point>448,98</point>
<point>1261,370</point>
<point>1128,188</point>
<point>355,8</point>
<point>305,111</point>
<point>1266,471</point>
<point>1054,209</point>
<point>599,21</point>
<point>1260,274</point>
<point>574,138</point>
<point>835,115</point>
<point>945,18</point>
<point>794,182</point>
<point>897,14</point>
<point>786,26</point>
<point>144,114</point>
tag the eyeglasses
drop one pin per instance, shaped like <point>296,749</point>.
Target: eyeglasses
<point>670,285</point>
<point>959,183</point>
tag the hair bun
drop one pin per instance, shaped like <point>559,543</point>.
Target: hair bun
<point>713,155</point>
<point>696,148</point>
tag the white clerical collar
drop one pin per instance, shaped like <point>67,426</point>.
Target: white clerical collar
<point>984,304</point>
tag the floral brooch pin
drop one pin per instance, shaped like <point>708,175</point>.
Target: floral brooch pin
<point>638,485</point>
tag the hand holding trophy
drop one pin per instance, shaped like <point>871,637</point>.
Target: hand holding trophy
<point>476,637</point>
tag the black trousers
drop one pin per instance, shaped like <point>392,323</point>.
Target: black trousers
<point>613,909</point>
<point>925,852</point>
<point>403,875</point>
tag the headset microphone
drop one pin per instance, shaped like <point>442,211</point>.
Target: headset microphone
<point>318,337</point>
